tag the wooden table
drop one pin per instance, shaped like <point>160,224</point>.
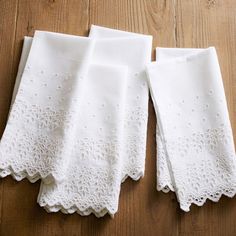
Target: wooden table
<point>142,210</point>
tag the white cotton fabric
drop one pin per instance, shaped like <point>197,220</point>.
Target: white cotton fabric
<point>93,177</point>
<point>196,155</point>
<point>40,125</point>
<point>133,52</point>
<point>24,55</point>
<point>91,167</point>
<point>78,120</point>
<point>115,47</point>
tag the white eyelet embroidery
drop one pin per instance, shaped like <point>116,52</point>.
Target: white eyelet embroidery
<point>88,187</point>
<point>36,152</point>
<point>195,148</point>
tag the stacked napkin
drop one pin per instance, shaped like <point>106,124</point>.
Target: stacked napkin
<point>114,47</point>
<point>196,155</point>
<point>78,118</point>
<point>41,123</point>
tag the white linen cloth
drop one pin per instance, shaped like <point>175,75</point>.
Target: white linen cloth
<point>93,177</point>
<point>92,164</point>
<point>37,136</point>
<point>196,155</point>
<point>115,47</point>
<point>133,51</point>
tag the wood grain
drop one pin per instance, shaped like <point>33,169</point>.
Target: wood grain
<point>142,210</point>
<point>7,38</point>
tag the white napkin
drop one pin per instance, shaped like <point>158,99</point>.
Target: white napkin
<point>93,176</point>
<point>37,136</point>
<point>196,149</point>
<point>115,47</point>
<point>92,166</point>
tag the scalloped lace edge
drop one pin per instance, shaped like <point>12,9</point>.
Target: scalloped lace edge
<point>49,178</point>
<point>20,175</point>
<point>90,210</point>
<point>137,176</point>
<point>165,188</point>
<point>211,197</point>
<point>75,208</point>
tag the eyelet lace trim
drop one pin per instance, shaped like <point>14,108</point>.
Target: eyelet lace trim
<point>207,169</point>
<point>164,182</point>
<point>35,153</point>
<point>90,186</point>
<point>90,183</point>
<point>135,145</point>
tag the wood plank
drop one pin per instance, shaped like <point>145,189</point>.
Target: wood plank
<point>7,37</point>
<point>203,24</point>
<point>139,201</point>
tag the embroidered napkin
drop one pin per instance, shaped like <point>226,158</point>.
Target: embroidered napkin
<point>93,177</point>
<point>164,182</point>
<point>93,169</point>
<point>196,155</point>
<point>115,47</point>
<point>36,140</point>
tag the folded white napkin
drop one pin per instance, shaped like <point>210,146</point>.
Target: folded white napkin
<point>37,136</point>
<point>194,137</point>
<point>93,177</point>
<point>92,163</point>
<point>133,52</point>
<point>115,47</point>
